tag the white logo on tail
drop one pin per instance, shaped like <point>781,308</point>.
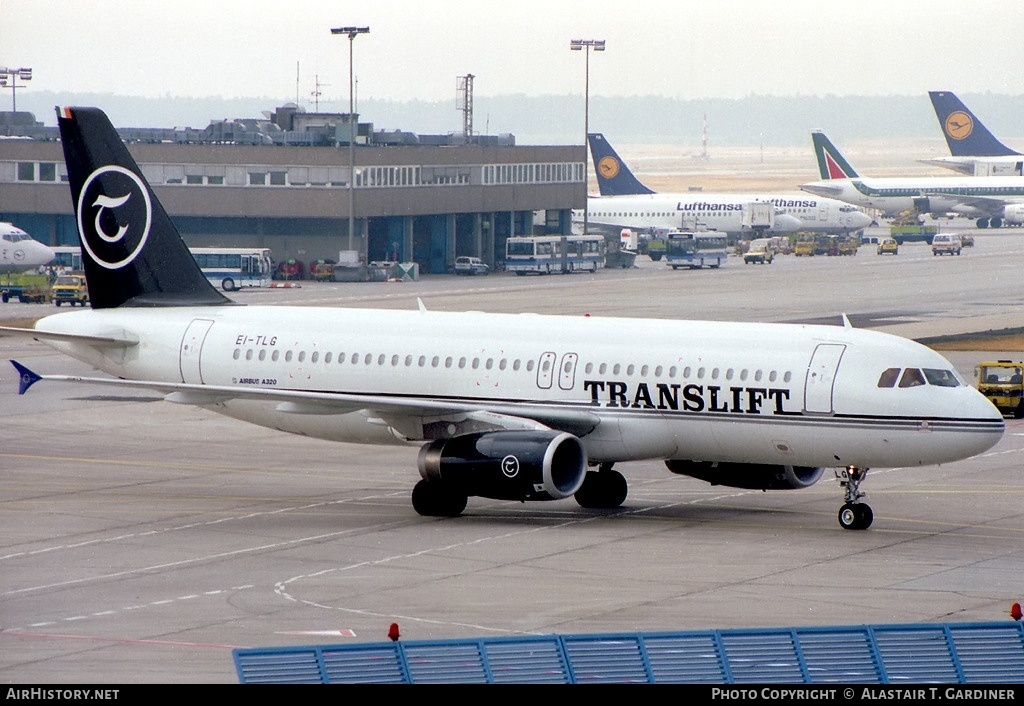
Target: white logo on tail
<point>122,216</point>
<point>101,203</point>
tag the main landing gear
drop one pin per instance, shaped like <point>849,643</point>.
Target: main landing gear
<point>438,499</point>
<point>853,515</point>
<point>603,489</point>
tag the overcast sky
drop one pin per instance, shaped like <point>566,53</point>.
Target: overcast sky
<point>672,48</point>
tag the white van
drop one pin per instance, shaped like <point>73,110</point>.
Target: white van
<point>946,244</point>
<point>470,266</point>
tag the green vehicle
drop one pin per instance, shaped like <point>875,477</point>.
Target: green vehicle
<point>655,248</point>
<point>26,288</point>
<point>913,233</point>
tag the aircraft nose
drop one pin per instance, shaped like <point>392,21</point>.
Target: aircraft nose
<point>980,409</point>
<point>861,220</point>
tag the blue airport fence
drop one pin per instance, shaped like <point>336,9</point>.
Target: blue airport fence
<point>954,653</point>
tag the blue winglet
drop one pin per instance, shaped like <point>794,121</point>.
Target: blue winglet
<point>26,377</point>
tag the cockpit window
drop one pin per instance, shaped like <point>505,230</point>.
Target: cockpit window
<point>889,377</point>
<point>942,378</point>
<point>912,377</point>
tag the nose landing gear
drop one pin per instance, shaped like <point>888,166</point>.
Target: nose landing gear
<point>853,515</point>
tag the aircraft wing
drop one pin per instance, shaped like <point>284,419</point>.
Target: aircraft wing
<point>409,415</point>
<point>982,204</point>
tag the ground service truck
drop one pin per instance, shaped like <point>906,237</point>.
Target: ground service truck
<point>32,288</point>
<point>1002,381</point>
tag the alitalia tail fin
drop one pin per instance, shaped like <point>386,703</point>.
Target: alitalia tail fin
<point>131,252</point>
<point>831,164</point>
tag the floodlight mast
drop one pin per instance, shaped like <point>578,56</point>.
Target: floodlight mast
<point>580,45</point>
<point>352,32</point>
<point>12,76</point>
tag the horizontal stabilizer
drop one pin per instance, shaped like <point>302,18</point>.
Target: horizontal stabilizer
<point>98,341</point>
<point>26,378</point>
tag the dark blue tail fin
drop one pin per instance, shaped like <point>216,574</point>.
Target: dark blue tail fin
<point>613,176</point>
<point>131,252</point>
<point>964,133</point>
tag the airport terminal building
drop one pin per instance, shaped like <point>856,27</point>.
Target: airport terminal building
<point>292,183</point>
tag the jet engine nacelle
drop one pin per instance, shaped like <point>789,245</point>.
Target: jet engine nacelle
<point>507,465</point>
<point>752,476</point>
<point>1013,213</point>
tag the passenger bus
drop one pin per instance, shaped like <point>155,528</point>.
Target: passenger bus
<point>547,254</point>
<point>67,258</point>
<point>234,268</point>
<point>227,268</point>
<point>695,249</point>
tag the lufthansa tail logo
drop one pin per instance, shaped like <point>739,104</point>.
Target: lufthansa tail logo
<point>608,167</point>
<point>959,125</point>
<point>114,216</point>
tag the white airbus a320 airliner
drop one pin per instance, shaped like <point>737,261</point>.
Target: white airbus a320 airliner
<point>504,406</point>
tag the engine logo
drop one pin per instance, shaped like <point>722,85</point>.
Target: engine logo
<point>510,466</point>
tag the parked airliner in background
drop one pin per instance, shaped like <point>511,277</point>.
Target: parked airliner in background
<point>637,208</point>
<point>616,181</point>
<point>19,252</point>
<point>989,199</point>
<point>973,149</point>
<point>504,406</point>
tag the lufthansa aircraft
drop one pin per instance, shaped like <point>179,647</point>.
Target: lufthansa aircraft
<point>620,189</point>
<point>504,406</point>
<point>632,205</point>
<point>989,199</point>
<point>19,252</point>
<point>973,149</point>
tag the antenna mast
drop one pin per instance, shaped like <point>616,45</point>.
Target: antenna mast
<point>704,141</point>
<point>316,92</point>
<point>464,93</point>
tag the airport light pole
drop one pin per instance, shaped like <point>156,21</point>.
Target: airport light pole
<point>351,32</point>
<point>586,45</point>
<point>13,75</point>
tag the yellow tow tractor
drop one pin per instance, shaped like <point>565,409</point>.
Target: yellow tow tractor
<point>1002,381</point>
